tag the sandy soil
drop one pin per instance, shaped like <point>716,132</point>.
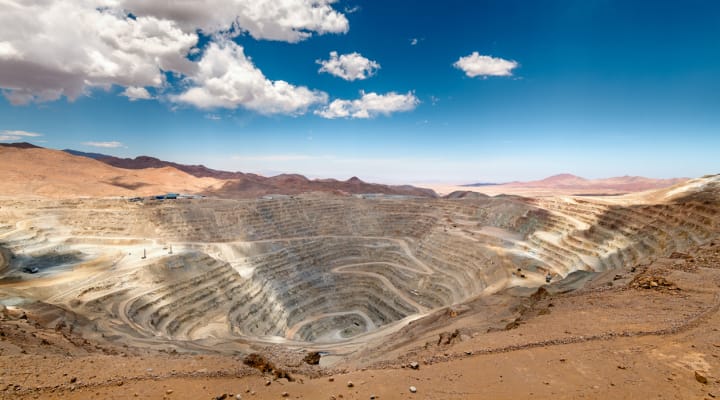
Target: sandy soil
<point>41,172</point>
<point>617,338</point>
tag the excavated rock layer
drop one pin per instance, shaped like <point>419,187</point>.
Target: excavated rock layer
<point>315,269</point>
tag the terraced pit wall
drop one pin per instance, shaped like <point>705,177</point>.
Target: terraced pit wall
<point>318,269</point>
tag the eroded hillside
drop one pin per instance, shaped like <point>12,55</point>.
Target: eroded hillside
<point>332,273</point>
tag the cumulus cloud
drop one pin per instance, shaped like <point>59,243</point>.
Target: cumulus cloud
<point>105,145</point>
<point>226,78</point>
<point>478,65</point>
<point>284,20</point>
<point>136,93</point>
<point>60,48</point>
<point>51,49</point>
<point>11,136</point>
<point>349,66</point>
<point>370,105</point>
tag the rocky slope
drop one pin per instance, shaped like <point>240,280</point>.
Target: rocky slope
<point>248,185</point>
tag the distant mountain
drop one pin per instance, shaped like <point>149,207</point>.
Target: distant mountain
<point>20,145</point>
<point>94,156</point>
<point>569,184</point>
<point>622,183</point>
<point>563,180</point>
<point>239,184</point>
<point>143,162</point>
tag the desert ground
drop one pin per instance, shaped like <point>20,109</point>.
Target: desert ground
<point>560,185</point>
<point>328,296</point>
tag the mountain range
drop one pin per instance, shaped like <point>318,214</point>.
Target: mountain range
<point>31,170</point>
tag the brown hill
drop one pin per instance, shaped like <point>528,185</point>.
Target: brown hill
<point>143,162</point>
<point>27,170</point>
<point>35,171</point>
<point>20,145</point>
<point>246,185</point>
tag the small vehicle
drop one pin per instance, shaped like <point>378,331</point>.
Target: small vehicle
<point>31,270</point>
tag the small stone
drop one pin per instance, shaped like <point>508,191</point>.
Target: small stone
<point>169,391</point>
<point>312,358</point>
<point>238,397</point>
<point>331,379</point>
<point>285,394</point>
<point>373,397</point>
<point>701,378</point>
<point>654,284</point>
<point>267,383</point>
<point>414,365</point>
<point>350,384</point>
<point>73,379</point>
<point>413,389</point>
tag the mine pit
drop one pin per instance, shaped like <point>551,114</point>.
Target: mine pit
<point>317,271</point>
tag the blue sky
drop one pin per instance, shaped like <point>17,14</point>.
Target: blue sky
<point>594,88</point>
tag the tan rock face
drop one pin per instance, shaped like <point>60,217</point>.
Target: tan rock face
<point>384,282</point>
<point>324,270</point>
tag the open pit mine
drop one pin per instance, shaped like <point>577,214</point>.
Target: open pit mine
<point>345,276</point>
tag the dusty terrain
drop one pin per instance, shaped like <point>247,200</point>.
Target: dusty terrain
<point>168,298</point>
<point>38,172</point>
<point>563,184</point>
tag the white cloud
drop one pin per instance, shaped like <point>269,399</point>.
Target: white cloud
<point>284,20</point>
<point>55,48</point>
<point>63,47</point>
<point>477,65</point>
<point>10,136</point>
<point>226,78</point>
<point>106,145</point>
<point>349,66</point>
<point>414,41</point>
<point>7,50</point>
<point>136,93</point>
<point>21,133</point>
<point>370,105</point>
